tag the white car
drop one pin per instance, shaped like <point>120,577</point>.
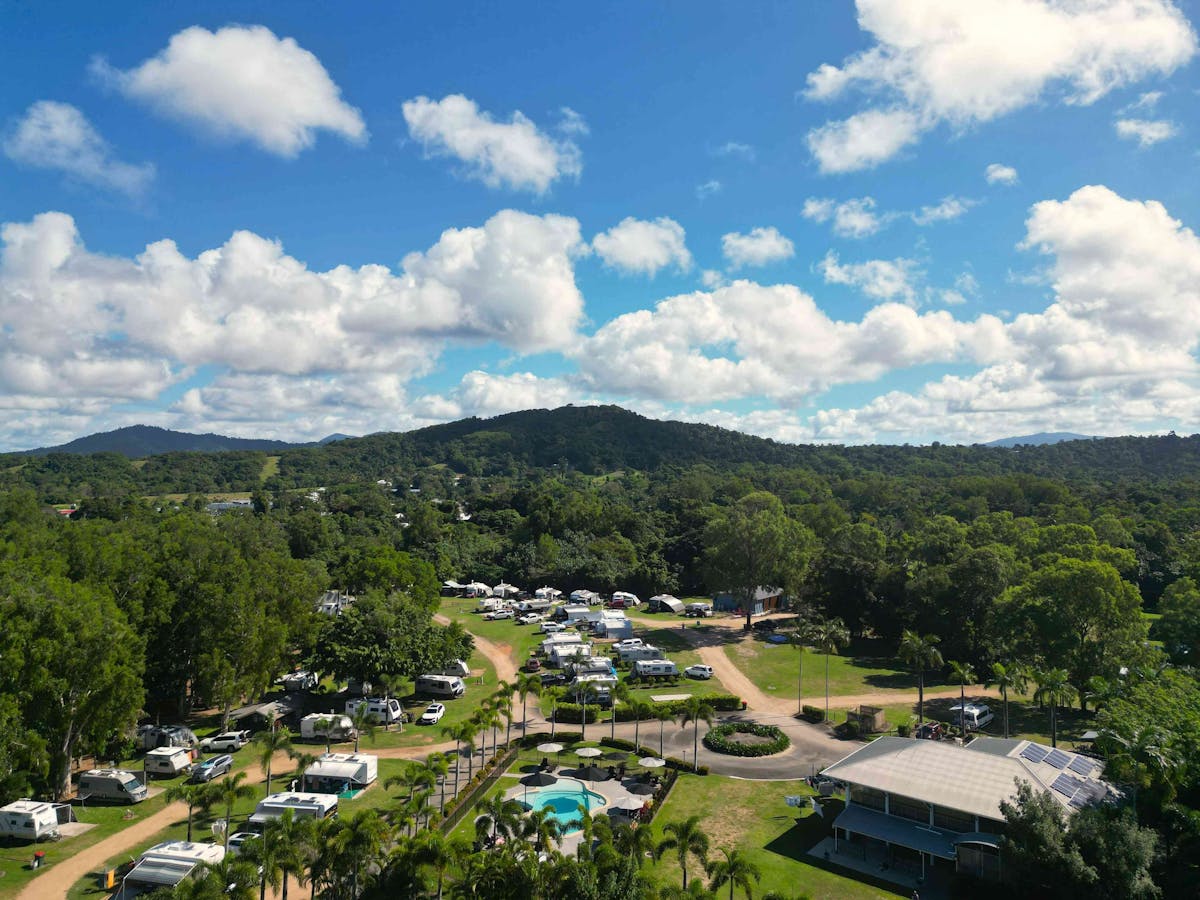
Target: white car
<point>699,671</point>
<point>553,627</point>
<point>432,715</point>
<point>628,644</point>
<point>226,740</point>
<point>530,619</point>
<point>499,614</point>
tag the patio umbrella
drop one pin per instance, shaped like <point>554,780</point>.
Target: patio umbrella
<point>651,762</point>
<point>642,788</point>
<point>539,779</point>
<point>588,752</point>
<point>549,748</point>
<point>616,755</point>
<point>629,804</point>
<point>592,773</point>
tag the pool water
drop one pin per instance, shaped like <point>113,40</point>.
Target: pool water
<point>563,800</point>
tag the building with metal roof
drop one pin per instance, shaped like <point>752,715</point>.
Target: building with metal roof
<point>941,801</point>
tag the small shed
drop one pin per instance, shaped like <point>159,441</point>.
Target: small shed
<point>766,600</point>
<point>869,719</point>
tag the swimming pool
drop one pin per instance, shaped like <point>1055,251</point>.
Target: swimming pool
<point>563,800</point>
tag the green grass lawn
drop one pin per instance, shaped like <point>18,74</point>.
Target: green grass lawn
<point>859,670</point>
<point>753,817</point>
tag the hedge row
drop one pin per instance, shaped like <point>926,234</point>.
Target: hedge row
<point>573,713</point>
<point>718,740</point>
<point>719,702</point>
<point>813,713</point>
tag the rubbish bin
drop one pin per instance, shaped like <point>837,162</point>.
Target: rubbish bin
<point>109,880</point>
<point>39,856</point>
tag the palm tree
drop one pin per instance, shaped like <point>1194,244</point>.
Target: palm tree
<point>302,760</point>
<point>922,654</point>
<point>363,720</point>
<point>1145,756</point>
<point>962,674</point>
<point>695,891</point>
<point>229,790</point>
<point>550,697</point>
<point>196,796</point>
<point>827,636</point>
<point>1053,688</point>
<point>273,740</point>
<point>488,717</point>
<point>800,639</point>
<point>585,692</point>
<point>664,715</point>
<point>635,843</point>
<point>542,830</point>
<point>462,733</point>
<point>438,768</point>
<point>619,694</point>
<point>694,712</point>
<point>639,709</point>
<point>359,843</point>
<point>435,850</point>
<point>736,869</point>
<point>285,837</point>
<point>504,706</point>
<point>1010,677</point>
<point>499,816</point>
<point>527,683</point>
<point>687,839</point>
<point>412,777</point>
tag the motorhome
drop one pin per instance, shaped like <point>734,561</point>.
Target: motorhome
<point>29,820</point>
<point>303,806</point>
<point>384,710</point>
<point>111,784</point>
<point>167,864</point>
<point>441,686</point>
<point>333,773</point>
<point>642,651</point>
<point>326,726</point>
<point>167,762</point>
<point>655,668</point>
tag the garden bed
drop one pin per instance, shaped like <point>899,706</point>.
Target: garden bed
<point>746,739</point>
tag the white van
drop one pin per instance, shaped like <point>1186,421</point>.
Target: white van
<point>326,726</point>
<point>168,762</point>
<point>441,686</point>
<point>974,715</point>
<point>386,711</point>
<point>655,668</point>
<point>698,610</point>
<point>30,820</point>
<point>111,784</point>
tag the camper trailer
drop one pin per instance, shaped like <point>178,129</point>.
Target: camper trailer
<point>591,665</point>
<point>167,762</point>
<point>643,651</point>
<point>111,784</point>
<point>151,736</point>
<point>535,605</point>
<point>303,806</point>
<point>665,603</point>
<point>386,711</point>
<point>326,726</point>
<point>655,668</point>
<point>167,864</point>
<point>560,654</point>
<point>29,820</point>
<point>450,686</point>
<point>458,668</point>
<point>335,772</point>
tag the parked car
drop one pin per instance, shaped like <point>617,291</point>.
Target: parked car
<point>698,671</point>
<point>499,614</point>
<point>532,664</point>
<point>553,627</point>
<point>930,731</point>
<point>627,643</point>
<point>530,619</point>
<point>226,740</point>
<point>211,768</point>
<point>765,625</point>
<point>432,715</point>
<point>553,678</point>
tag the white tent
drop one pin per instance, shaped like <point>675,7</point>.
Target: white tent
<point>547,593</point>
<point>477,589</point>
<point>503,590</point>
<point>453,585</point>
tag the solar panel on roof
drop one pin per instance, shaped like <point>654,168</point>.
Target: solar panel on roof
<point>1079,801</point>
<point>1066,785</point>
<point>1057,758</point>
<point>1082,765</point>
<point>1035,753</point>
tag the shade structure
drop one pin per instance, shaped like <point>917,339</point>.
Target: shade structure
<point>651,762</point>
<point>642,788</point>
<point>539,779</point>
<point>616,755</point>
<point>592,773</point>
<point>629,804</point>
<point>588,752</point>
<point>503,589</point>
<point>549,748</point>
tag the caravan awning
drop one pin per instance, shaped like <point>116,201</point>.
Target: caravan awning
<point>346,770</point>
<point>894,830</point>
<point>160,871</point>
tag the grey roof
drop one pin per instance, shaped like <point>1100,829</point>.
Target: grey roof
<point>974,779</point>
<point>893,830</point>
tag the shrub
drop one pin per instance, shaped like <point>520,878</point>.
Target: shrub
<point>813,713</point>
<point>674,762</point>
<point>718,739</point>
<point>849,730</point>
<point>719,702</point>
<point>573,713</point>
<point>703,770</point>
<point>904,729</point>
<point>618,744</point>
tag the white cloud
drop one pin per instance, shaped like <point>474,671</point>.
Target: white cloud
<point>1148,100</point>
<point>735,148</point>
<point>484,394</point>
<point>241,82</point>
<point>998,173</point>
<point>572,123</point>
<point>851,218</point>
<point>758,248</point>
<point>882,279</point>
<point>707,189</point>
<point>513,154</point>
<point>964,64</point>
<point>1146,132</point>
<point>713,278</point>
<point>947,209</point>
<point>58,136</point>
<point>644,247</point>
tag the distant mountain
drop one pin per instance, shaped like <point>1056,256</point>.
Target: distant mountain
<point>1042,437</point>
<point>137,441</point>
<point>337,436</point>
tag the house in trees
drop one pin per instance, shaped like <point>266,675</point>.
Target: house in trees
<point>927,805</point>
<point>766,600</point>
<point>333,603</point>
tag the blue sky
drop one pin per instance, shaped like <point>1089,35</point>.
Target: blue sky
<point>896,220</point>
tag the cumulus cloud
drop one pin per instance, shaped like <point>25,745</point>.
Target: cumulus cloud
<point>637,246</point>
<point>485,394</point>
<point>514,154</point>
<point>882,279</point>
<point>706,189</point>
<point>998,173</point>
<point>944,61</point>
<point>1146,132</point>
<point>572,123</point>
<point>58,136</point>
<point>851,218</point>
<point>947,209</point>
<point>758,248</point>
<point>241,83</point>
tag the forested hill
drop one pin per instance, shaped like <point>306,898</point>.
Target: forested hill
<point>137,441</point>
<point>592,440</point>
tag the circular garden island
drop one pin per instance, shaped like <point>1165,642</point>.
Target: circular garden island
<point>746,739</point>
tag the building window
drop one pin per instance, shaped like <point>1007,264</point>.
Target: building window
<point>865,796</point>
<point>953,820</point>
<point>908,809</point>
